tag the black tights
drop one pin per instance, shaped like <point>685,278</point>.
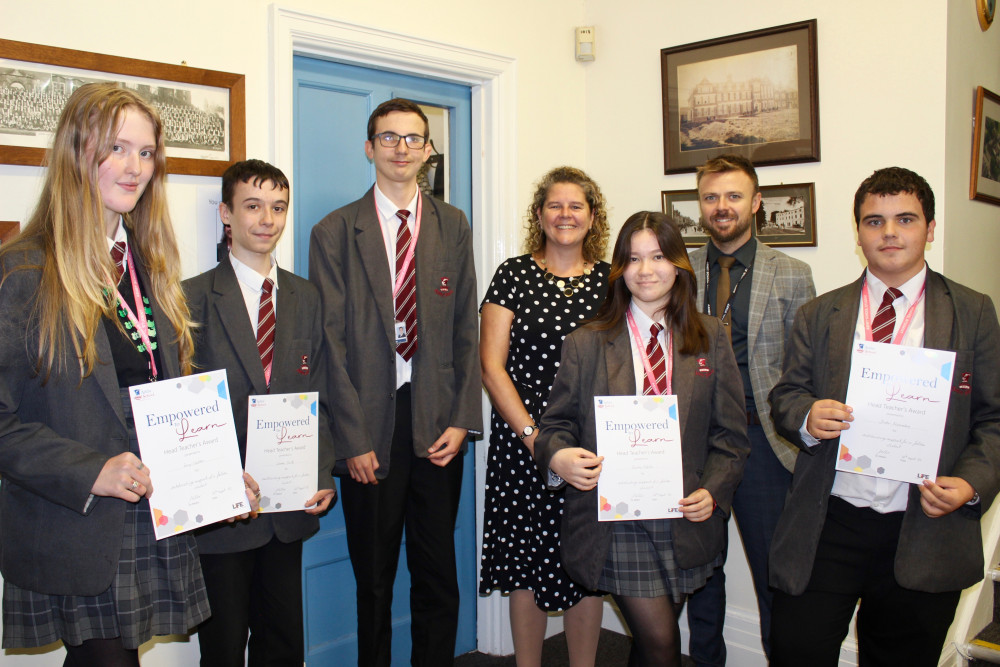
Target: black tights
<point>101,653</point>
<point>656,639</point>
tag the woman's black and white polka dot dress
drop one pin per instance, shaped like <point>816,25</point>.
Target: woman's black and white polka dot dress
<point>522,519</point>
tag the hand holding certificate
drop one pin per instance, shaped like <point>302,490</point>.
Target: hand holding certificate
<point>187,437</point>
<point>282,449</point>
<point>900,398</point>
<point>640,440</point>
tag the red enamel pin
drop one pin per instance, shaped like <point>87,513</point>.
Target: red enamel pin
<point>964,385</point>
<point>304,367</point>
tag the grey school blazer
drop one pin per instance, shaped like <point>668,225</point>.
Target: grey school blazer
<point>714,443</point>
<point>55,438</point>
<point>226,339</point>
<point>934,555</point>
<point>348,263</point>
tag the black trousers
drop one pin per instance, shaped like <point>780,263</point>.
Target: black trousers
<point>854,561</point>
<point>422,497</point>
<point>259,590</point>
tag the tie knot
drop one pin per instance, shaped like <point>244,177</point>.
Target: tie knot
<point>890,295</point>
<point>268,287</point>
<point>655,329</point>
<point>403,214</point>
<point>726,261</point>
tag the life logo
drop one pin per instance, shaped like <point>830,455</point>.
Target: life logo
<point>921,475</point>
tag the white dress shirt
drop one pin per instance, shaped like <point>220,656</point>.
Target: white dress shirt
<point>251,285</point>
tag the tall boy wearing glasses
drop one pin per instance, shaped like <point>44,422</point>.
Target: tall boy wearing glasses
<point>395,272</point>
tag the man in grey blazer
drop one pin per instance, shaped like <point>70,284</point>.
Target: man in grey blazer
<point>253,567</point>
<point>906,551</point>
<point>766,288</point>
<point>406,393</point>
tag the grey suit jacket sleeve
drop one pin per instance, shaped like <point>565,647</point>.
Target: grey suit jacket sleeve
<point>328,246</point>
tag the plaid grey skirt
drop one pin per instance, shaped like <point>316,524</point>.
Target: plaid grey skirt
<point>641,563</point>
<point>157,590</point>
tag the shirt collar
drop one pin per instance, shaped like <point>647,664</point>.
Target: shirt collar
<point>251,278</point>
<point>642,320</point>
<point>387,210</point>
<point>744,254</point>
<point>910,289</point>
<point>120,235</point>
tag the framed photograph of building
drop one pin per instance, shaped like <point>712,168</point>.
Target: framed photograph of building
<point>682,207</point>
<point>203,111</point>
<point>754,94</point>
<point>786,217</point>
<point>984,183</point>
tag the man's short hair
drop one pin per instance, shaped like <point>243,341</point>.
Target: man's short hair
<point>892,181</point>
<point>729,162</point>
<point>255,172</point>
<point>396,104</point>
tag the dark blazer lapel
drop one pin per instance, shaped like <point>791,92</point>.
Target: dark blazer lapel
<point>371,248</point>
<point>104,372</point>
<point>682,383</point>
<point>843,320</point>
<point>232,312</point>
<point>285,330</point>
<point>939,314</point>
<point>618,363</point>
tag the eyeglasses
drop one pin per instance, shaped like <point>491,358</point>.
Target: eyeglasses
<point>391,140</point>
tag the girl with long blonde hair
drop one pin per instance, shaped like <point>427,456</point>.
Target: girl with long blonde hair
<point>90,303</point>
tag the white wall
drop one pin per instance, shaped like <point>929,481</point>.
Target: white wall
<point>886,97</point>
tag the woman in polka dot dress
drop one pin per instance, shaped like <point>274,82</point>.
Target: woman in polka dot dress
<point>534,301</point>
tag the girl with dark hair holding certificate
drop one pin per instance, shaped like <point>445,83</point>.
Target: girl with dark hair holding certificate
<point>647,338</point>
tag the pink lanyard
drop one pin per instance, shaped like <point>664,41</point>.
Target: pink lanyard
<point>904,325</point>
<point>139,323</point>
<point>413,243</point>
<point>641,347</point>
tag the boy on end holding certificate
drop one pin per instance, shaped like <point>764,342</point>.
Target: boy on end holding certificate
<point>264,326</point>
<point>648,337</point>
<point>906,551</point>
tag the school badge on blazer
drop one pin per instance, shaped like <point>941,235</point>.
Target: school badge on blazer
<point>444,290</point>
<point>304,366</point>
<point>703,369</point>
<point>964,385</point>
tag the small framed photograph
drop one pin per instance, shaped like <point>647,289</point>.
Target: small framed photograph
<point>786,217</point>
<point>8,230</point>
<point>203,111</point>
<point>682,207</point>
<point>984,183</point>
<point>754,94</point>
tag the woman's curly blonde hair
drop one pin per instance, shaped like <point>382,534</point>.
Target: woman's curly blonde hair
<point>596,242</point>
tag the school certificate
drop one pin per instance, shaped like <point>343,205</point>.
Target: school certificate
<point>640,440</point>
<point>283,450</point>
<point>188,439</point>
<point>900,398</point>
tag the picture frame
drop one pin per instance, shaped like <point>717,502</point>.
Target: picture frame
<point>786,217</point>
<point>754,94</point>
<point>984,178</point>
<point>986,10</point>
<point>204,111</point>
<point>8,230</point>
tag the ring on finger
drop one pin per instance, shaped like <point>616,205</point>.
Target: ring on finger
<point>135,485</point>
<point>140,465</point>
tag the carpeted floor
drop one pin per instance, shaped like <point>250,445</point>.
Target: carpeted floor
<point>612,651</point>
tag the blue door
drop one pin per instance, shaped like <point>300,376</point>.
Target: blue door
<point>332,102</point>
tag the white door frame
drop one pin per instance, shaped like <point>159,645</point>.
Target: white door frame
<point>496,224</point>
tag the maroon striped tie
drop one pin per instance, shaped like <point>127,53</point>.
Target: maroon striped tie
<point>118,255</point>
<point>885,318</point>
<point>656,361</point>
<point>406,298</point>
<point>265,328</point>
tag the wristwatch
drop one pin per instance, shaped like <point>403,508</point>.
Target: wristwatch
<point>528,430</point>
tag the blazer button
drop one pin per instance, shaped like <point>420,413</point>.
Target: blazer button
<point>391,396</point>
